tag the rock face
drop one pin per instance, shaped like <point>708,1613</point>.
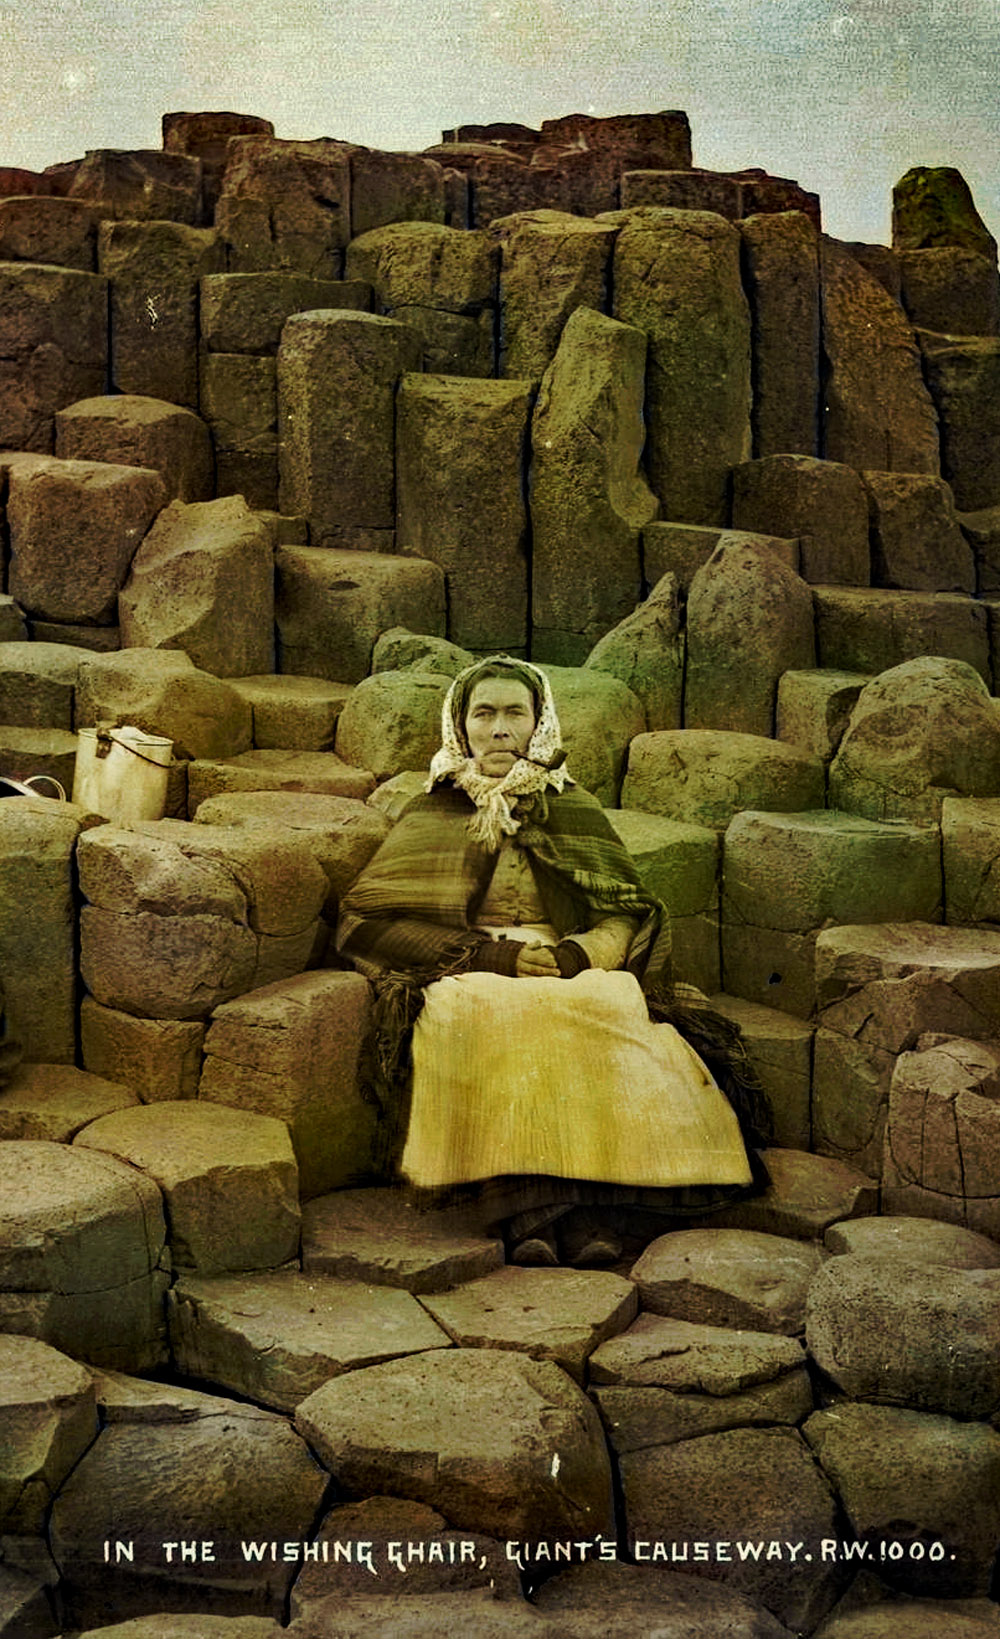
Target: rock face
<point>54,346</point>
<point>291,1050</point>
<point>285,205</point>
<point>229,1180</point>
<point>785,876</point>
<point>962,375</point>
<point>203,581</point>
<point>919,733</point>
<point>589,500</point>
<point>551,263</point>
<point>677,277</point>
<point>38,925</point>
<point>749,618</point>
<point>951,290</point>
<point>50,1418</point>
<point>74,529</point>
<point>440,283</point>
<point>83,1243</point>
<point>932,206</point>
<point>550,1314</point>
<point>377,1236</point>
<point>665,1380</point>
<point>460,502</point>
<point>878,990</point>
<point>864,631</point>
<point>916,539</point>
<point>878,413</point>
<point>168,1457</point>
<point>495,1470</point>
<point>727,1277</point>
<point>782,266</point>
<point>337,379</point>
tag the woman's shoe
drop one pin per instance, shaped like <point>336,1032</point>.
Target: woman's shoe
<point>587,1243</point>
<point>538,1251</point>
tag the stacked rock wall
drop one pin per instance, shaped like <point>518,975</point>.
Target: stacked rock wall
<point>289,432</point>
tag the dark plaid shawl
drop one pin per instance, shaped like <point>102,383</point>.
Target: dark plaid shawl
<point>408,920</point>
<point>410,912</point>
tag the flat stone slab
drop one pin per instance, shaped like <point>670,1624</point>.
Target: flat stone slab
<point>912,1335</point>
<point>550,1314</point>
<point>179,1476</point>
<point>911,1476</point>
<point>667,1380</point>
<point>595,1601</point>
<point>747,1484</point>
<point>915,1240</point>
<point>728,1277</point>
<point>275,1338</point>
<point>506,1444</point>
<point>379,1236</point>
<point>806,1194</point>
<point>228,1177</point>
<point>49,1409</point>
<point>268,770</point>
<point>24,1605</point>
<point>53,1101</point>
<point>172,1625</point>
<point>411,1550</point>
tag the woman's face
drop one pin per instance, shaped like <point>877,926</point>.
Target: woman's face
<point>499,722</point>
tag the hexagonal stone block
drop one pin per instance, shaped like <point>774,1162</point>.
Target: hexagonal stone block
<point>133,431</point>
<point>163,1469</point>
<point>81,1238</point>
<point>380,1236</point>
<point>246,312</point>
<point>157,1058</point>
<point>38,682</point>
<point>293,713</point>
<point>823,503</point>
<point>970,837</point>
<point>276,1338</point>
<point>331,607</point>
<point>814,707</point>
<point>943,1132</point>
<point>728,1277</point>
<point>679,863</point>
<point>51,1102</point>
<point>645,651</point>
<point>154,269</point>
<point>909,1477</point>
<point>228,1178</point>
<point>668,1380</point>
<point>785,876</point>
<point>759,1484</point>
<point>50,1418</point>
<point>320,772</point>
<point>922,1241</point>
<point>597,1597</point>
<point>164,693</point>
<point>292,1050</point>
<point>705,776</point>
<point>550,1314</point>
<point>859,630</point>
<point>495,1421</point>
<point>53,347</point>
<point>780,1049</point>
<point>806,1193</point>
<point>906,1334</point>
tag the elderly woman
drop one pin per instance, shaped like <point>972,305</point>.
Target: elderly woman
<point>503,914</point>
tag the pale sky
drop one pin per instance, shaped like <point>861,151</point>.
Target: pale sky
<point>843,95</point>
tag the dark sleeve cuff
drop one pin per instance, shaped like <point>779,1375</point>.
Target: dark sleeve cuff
<point>571,958</point>
<point>496,956</point>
